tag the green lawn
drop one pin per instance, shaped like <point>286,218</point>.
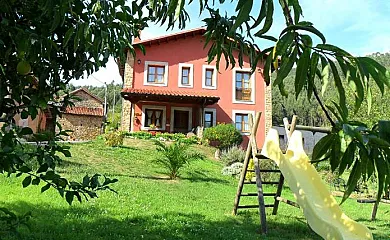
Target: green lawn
<point>148,206</point>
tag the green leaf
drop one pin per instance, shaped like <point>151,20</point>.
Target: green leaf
<point>313,69</point>
<point>267,69</point>
<point>56,21</point>
<point>302,70</point>
<point>382,169</point>
<point>43,168</point>
<point>335,153</point>
<point>285,67</point>
<point>26,181</point>
<point>322,147</point>
<point>304,28</point>
<point>268,19</point>
<point>68,35</point>
<point>35,181</point>
<point>339,87</point>
<point>369,100</point>
<point>69,197</point>
<point>348,157</point>
<point>244,8</point>
<point>26,131</point>
<point>262,14</point>
<point>352,180</point>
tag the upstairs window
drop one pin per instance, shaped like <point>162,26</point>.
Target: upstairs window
<point>186,73</point>
<point>209,78</point>
<point>156,73</point>
<point>243,86</point>
<point>185,76</point>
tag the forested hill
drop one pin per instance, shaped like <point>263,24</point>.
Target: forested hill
<point>310,113</point>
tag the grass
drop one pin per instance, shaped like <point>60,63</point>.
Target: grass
<point>148,206</point>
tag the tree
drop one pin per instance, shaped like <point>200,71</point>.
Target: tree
<point>351,144</point>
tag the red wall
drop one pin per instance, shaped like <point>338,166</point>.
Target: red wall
<point>190,50</point>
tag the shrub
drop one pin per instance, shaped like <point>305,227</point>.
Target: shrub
<point>233,170</point>
<point>174,156</point>
<point>114,139</point>
<point>139,135</point>
<point>232,154</point>
<point>223,136</point>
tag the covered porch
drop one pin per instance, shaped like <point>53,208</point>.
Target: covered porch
<point>170,111</point>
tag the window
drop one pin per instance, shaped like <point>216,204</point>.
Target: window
<point>242,122</point>
<point>153,116</point>
<point>156,73</point>
<point>210,119</point>
<point>209,77</point>
<point>186,75</point>
<point>243,86</point>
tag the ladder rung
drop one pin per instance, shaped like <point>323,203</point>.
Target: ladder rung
<point>255,206</point>
<point>270,170</point>
<point>265,170</point>
<point>270,182</point>
<point>255,194</point>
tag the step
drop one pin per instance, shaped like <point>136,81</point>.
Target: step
<point>255,194</point>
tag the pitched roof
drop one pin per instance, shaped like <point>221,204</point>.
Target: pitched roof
<point>173,36</point>
<point>167,95</point>
<point>87,92</point>
<point>84,111</point>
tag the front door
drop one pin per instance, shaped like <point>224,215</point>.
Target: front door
<point>180,121</point>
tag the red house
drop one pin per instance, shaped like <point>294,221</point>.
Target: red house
<point>173,89</point>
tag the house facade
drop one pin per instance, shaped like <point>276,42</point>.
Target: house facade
<point>173,89</point>
<point>85,118</point>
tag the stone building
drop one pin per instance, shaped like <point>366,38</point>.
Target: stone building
<point>85,118</point>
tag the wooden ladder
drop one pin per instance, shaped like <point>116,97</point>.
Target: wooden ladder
<point>252,151</point>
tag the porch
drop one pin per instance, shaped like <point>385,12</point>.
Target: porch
<point>170,111</point>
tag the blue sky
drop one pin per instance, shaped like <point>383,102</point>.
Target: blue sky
<point>359,26</point>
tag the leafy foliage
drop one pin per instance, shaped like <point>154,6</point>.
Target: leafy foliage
<point>232,154</point>
<point>175,156</point>
<point>114,138</point>
<point>224,135</point>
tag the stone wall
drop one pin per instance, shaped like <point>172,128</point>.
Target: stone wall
<point>268,108</point>
<point>127,83</point>
<point>84,127</point>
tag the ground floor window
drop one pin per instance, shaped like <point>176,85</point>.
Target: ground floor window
<point>153,117</point>
<point>210,117</point>
<point>242,122</point>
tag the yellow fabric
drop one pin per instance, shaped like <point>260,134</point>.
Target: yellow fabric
<point>321,210</point>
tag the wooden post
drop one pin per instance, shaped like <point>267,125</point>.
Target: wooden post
<point>260,192</point>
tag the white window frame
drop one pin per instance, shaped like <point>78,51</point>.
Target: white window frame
<point>189,109</point>
<point>190,76</point>
<point>214,111</point>
<point>154,107</point>
<point>234,112</point>
<point>164,64</point>
<point>253,86</point>
<point>214,80</point>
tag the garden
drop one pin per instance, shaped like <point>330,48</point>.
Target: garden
<point>151,204</point>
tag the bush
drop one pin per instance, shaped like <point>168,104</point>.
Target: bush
<point>174,156</point>
<point>223,136</point>
<point>233,170</point>
<point>114,139</point>
<point>139,135</point>
<point>232,154</point>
